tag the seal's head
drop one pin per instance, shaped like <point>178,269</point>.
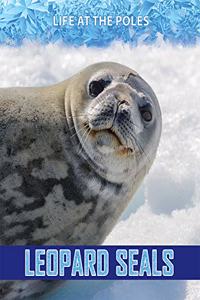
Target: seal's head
<point>116,118</point>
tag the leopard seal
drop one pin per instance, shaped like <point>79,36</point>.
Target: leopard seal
<point>72,156</point>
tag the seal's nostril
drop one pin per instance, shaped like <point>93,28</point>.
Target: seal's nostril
<point>123,102</point>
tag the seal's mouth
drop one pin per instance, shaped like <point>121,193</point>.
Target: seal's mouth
<point>109,142</point>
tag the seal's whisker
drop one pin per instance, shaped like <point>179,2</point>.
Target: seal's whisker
<point>72,127</point>
<point>142,149</point>
<point>84,142</point>
<point>85,127</point>
<point>87,132</point>
<point>133,123</point>
<point>79,115</point>
<point>136,141</point>
<point>80,129</point>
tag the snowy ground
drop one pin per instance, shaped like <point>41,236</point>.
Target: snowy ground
<point>166,208</point>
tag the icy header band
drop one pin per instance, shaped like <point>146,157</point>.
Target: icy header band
<point>173,21</point>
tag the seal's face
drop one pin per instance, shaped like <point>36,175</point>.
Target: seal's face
<point>117,121</point>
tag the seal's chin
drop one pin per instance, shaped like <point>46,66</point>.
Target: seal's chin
<point>107,142</point>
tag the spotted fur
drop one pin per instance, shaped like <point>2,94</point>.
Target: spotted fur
<point>56,186</point>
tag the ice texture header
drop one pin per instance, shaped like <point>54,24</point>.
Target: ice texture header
<point>176,21</point>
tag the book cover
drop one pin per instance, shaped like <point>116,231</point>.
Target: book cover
<point>99,148</point>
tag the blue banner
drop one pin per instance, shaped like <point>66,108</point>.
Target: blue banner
<point>100,262</point>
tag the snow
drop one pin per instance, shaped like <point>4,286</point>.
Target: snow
<point>166,207</point>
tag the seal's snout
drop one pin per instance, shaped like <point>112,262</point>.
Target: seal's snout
<point>112,115</point>
<point>102,113</point>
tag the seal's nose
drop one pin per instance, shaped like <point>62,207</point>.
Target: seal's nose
<point>123,102</point>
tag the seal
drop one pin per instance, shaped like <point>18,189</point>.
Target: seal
<point>72,156</point>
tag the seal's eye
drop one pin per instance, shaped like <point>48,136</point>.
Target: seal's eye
<point>96,87</point>
<point>146,112</point>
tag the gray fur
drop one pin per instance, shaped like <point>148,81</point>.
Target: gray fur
<point>56,186</point>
